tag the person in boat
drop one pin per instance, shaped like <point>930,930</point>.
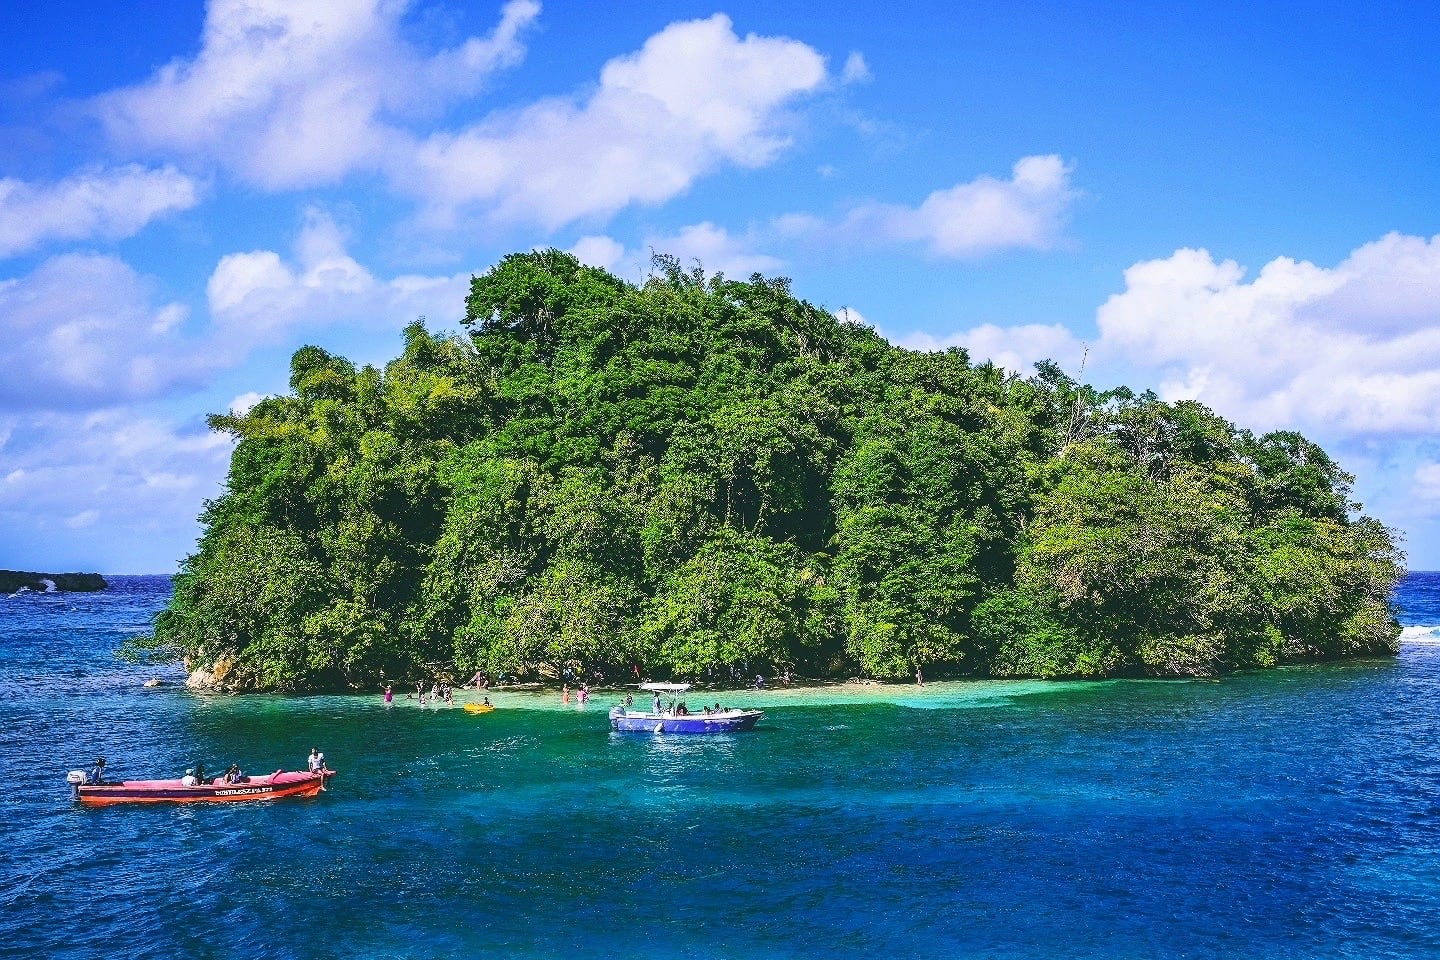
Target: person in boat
<point>486,700</point>
<point>97,772</point>
<point>200,774</point>
<point>317,764</point>
<point>189,780</point>
<point>657,702</point>
<point>629,700</point>
<point>233,775</point>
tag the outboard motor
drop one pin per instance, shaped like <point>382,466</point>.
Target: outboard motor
<point>75,778</point>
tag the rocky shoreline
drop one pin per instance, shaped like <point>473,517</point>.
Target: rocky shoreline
<point>13,580</point>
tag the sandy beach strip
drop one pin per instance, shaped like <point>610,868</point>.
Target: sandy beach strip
<point>937,695</point>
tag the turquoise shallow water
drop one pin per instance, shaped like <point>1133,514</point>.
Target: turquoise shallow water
<point>1294,813</point>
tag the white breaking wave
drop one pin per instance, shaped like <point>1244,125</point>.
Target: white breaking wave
<point>1423,634</point>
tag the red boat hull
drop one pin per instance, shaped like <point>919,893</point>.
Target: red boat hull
<point>272,787</point>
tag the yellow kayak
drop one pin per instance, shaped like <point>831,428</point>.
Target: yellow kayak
<point>479,707</point>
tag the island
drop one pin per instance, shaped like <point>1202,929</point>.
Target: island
<point>13,580</point>
<point>700,478</point>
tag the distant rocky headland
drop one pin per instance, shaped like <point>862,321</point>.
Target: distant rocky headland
<point>13,580</point>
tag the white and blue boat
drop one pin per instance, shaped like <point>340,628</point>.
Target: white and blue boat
<point>666,715</point>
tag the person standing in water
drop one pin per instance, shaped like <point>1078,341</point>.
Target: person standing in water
<point>389,695</point>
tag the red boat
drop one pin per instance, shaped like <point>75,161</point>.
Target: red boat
<point>270,787</point>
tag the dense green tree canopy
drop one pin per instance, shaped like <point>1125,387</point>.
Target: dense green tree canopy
<point>701,476</point>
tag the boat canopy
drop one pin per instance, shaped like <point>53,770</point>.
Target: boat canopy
<point>666,687</point>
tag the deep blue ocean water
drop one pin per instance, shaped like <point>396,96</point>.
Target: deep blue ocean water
<point>1290,813</point>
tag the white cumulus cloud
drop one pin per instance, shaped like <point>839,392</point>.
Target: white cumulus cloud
<point>1015,348</point>
<point>977,217</point>
<point>604,252</point>
<point>257,297</point>
<point>714,248</point>
<point>694,97</point>
<point>244,403</point>
<point>1353,348</point>
<point>296,93</point>
<point>1344,352</point>
<point>108,204</point>
<point>300,92</point>
<point>86,331</point>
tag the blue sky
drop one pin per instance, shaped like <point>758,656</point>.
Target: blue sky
<point>1236,203</point>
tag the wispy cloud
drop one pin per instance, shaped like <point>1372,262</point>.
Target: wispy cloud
<point>86,330</point>
<point>116,475</point>
<point>1427,482</point>
<point>100,203</point>
<point>85,518</point>
<point>856,70</point>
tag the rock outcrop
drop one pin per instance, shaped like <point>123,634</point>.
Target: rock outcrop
<point>13,580</point>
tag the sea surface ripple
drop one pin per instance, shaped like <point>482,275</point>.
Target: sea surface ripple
<point>1285,814</point>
